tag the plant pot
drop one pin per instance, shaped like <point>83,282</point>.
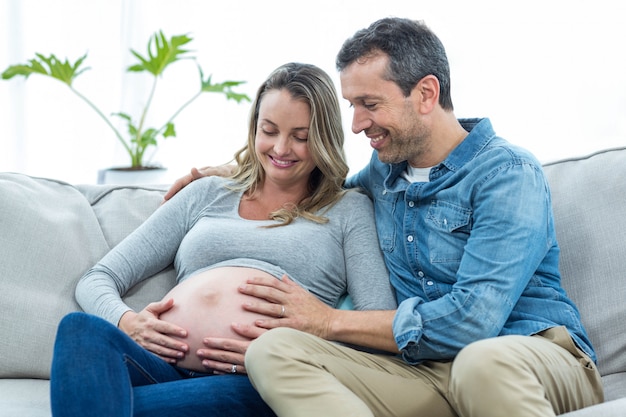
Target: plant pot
<point>133,176</point>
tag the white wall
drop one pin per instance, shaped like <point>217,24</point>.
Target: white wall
<point>550,74</point>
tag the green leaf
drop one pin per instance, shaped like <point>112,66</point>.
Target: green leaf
<point>169,130</point>
<point>132,129</point>
<point>50,66</point>
<point>161,53</point>
<point>148,138</point>
<point>237,96</point>
<point>122,115</point>
<point>226,89</point>
<point>206,86</point>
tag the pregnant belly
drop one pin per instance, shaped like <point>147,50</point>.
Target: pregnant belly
<point>206,304</point>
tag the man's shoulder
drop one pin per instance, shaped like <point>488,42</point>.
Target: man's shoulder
<point>506,152</point>
<point>490,145</point>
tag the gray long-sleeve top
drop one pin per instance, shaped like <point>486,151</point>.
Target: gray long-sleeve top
<point>201,228</point>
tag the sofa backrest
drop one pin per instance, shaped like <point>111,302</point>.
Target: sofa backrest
<point>589,202</point>
<point>50,234</point>
<point>55,230</point>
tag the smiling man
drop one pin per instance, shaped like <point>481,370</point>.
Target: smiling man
<point>483,327</point>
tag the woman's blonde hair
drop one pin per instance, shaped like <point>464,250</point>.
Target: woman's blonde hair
<point>325,141</point>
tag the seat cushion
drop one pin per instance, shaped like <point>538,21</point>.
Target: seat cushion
<point>25,398</point>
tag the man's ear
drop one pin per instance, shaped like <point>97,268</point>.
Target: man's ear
<point>427,93</point>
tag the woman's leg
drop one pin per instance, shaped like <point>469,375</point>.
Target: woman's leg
<point>210,396</point>
<point>95,367</point>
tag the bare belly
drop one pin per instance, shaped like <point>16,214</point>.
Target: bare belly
<point>207,304</point>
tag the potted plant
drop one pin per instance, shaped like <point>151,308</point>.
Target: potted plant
<point>161,53</point>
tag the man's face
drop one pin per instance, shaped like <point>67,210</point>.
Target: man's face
<point>388,118</point>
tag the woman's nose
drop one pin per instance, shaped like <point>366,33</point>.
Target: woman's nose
<point>281,146</point>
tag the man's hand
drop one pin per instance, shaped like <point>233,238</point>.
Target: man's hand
<point>154,334</point>
<point>292,305</point>
<point>295,307</point>
<point>182,182</point>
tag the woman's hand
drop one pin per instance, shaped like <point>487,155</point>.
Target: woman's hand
<point>154,334</point>
<point>290,304</point>
<point>223,356</point>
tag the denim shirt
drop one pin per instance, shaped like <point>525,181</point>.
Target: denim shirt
<point>472,253</point>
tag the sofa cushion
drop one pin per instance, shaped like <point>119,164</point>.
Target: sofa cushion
<point>609,409</point>
<point>589,201</point>
<point>25,398</point>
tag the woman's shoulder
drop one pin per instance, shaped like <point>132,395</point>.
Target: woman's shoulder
<point>356,195</point>
<point>352,201</point>
<point>212,183</point>
<point>204,188</point>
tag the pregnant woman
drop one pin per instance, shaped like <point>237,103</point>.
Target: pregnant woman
<point>282,213</point>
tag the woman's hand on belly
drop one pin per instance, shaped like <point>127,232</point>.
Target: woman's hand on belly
<point>164,339</point>
<point>206,305</point>
<point>220,354</point>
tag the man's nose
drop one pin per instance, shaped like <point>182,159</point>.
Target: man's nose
<point>360,121</point>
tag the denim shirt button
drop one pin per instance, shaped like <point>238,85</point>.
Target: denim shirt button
<point>409,238</point>
<point>384,192</point>
<point>420,274</point>
<point>411,203</point>
<point>430,283</point>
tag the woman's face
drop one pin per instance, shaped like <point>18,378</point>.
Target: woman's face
<point>281,141</point>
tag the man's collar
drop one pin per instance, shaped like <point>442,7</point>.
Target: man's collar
<point>480,134</point>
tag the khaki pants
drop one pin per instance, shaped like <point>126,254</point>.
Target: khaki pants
<point>298,374</point>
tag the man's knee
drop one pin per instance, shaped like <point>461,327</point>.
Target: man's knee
<point>473,362</point>
<point>271,345</point>
<point>483,362</point>
<point>267,356</point>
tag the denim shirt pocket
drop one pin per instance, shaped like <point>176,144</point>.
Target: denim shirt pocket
<point>449,228</point>
<point>385,210</point>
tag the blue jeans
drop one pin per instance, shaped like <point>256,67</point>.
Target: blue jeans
<point>97,370</point>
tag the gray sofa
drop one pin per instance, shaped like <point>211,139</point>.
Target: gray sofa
<point>51,232</point>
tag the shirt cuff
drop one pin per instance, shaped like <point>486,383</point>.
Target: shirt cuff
<point>408,329</point>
